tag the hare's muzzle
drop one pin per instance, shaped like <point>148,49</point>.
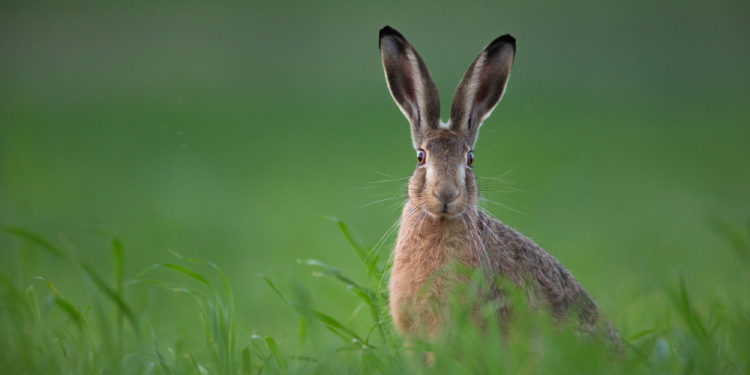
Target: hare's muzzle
<point>446,193</point>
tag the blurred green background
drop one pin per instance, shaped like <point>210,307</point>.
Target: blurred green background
<point>228,131</point>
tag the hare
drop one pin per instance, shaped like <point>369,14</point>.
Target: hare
<point>440,223</point>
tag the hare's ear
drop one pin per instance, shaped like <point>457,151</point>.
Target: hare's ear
<point>410,83</point>
<point>482,87</point>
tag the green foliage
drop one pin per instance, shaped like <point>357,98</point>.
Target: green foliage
<point>62,338</point>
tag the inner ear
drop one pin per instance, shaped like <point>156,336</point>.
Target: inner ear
<point>482,87</point>
<point>410,83</point>
<point>403,87</point>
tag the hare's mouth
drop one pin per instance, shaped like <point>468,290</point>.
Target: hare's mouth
<point>440,210</point>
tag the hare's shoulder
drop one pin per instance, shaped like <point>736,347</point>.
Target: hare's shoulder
<point>519,257</point>
<point>506,243</point>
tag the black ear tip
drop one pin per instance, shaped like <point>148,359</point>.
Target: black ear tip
<point>504,39</point>
<point>507,38</point>
<point>389,31</point>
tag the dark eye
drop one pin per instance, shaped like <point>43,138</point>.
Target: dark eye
<point>421,156</point>
<point>470,158</point>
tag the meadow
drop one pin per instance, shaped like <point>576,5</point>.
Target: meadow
<point>195,188</point>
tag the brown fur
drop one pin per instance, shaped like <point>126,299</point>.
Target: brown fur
<point>441,225</point>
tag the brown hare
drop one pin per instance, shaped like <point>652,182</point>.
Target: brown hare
<point>441,224</point>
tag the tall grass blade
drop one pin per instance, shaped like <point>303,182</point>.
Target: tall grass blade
<point>691,317</point>
<point>188,272</point>
<point>247,361</point>
<point>65,305</point>
<point>117,260</point>
<point>368,296</point>
<point>334,325</point>
<point>41,241</point>
<point>368,258</point>
<point>302,330</point>
<point>15,295</point>
<point>117,264</point>
<point>276,353</point>
<point>112,295</point>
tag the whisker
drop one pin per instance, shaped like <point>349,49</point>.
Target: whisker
<point>416,210</point>
<point>497,178</point>
<point>378,245</point>
<point>482,190</point>
<point>375,251</point>
<point>504,206</point>
<point>382,173</point>
<point>388,180</point>
<point>476,236</point>
<point>377,201</point>
<point>489,230</point>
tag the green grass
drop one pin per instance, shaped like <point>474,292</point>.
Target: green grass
<point>113,333</point>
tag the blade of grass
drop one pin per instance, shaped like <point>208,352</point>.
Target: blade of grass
<point>691,317</point>
<point>228,313</point>
<point>329,321</point>
<point>216,315</point>
<point>117,263</point>
<point>187,272</point>
<point>259,348</point>
<point>55,251</point>
<point>366,295</point>
<point>41,241</point>
<point>274,349</point>
<point>15,294</point>
<point>366,256</point>
<point>114,296</point>
<point>31,296</point>
<point>643,333</point>
<point>117,258</point>
<point>247,362</point>
<point>65,305</point>
<point>302,330</point>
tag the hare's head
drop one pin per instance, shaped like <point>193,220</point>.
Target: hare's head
<point>443,181</point>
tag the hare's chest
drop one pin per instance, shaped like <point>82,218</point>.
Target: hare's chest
<point>423,276</point>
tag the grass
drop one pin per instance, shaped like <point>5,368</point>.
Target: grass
<point>114,332</point>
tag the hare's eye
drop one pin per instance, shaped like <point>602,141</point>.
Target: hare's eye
<point>470,158</point>
<point>421,157</point>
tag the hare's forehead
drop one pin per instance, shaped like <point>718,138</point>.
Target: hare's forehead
<point>445,144</point>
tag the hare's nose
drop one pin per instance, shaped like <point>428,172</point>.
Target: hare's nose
<point>446,193</point>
